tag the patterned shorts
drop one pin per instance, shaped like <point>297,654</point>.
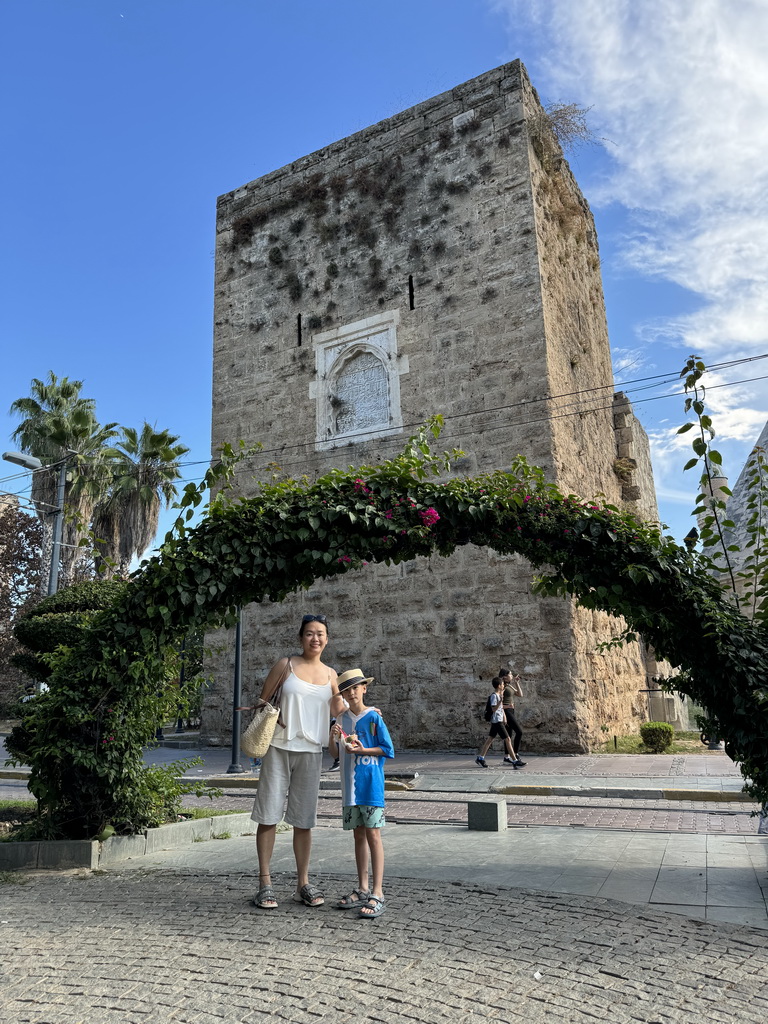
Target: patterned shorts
<point>370,817</point>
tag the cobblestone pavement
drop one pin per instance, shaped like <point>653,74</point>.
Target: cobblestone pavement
<point>154,947</point>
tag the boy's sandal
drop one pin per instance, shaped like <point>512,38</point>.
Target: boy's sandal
<point>355,899</point>
<point>265,898</point>
<point>373,907</point>
<point>309,895</point>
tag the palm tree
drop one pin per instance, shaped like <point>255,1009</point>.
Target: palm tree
<point>143,467</point>
<point>58,424</point>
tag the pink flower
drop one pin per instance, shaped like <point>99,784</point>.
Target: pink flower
<point>429,516</point>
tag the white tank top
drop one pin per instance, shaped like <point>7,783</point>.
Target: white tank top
<point>306,711</point>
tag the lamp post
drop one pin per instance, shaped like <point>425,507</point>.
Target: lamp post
<point>235,767</point>
<point>32,463</point>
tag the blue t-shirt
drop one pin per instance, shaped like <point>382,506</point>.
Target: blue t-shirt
<point>362,775</point>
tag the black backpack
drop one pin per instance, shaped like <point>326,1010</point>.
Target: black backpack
<point>489,708</point>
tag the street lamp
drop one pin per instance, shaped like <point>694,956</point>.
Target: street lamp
<point>32,463</point>
<point>26,461</point>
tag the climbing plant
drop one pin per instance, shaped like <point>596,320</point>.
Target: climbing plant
<point>87,732</point>
<point>741,567</point>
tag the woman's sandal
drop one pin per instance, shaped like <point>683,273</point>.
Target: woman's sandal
<point>355,899</point>
<point>265,898</point>
<point>309,895</point>
<point>373,907</point>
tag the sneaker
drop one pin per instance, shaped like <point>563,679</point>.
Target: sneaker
<point>520,764</point>
<point>335,766</point>
<point>510,760</point>
<point>481,761</point>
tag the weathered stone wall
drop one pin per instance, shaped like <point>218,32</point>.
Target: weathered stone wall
<point>440,261</point>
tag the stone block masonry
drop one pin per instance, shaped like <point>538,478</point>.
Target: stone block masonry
<point>442,261</point>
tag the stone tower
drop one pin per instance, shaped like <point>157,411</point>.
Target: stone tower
<point>442,261</point>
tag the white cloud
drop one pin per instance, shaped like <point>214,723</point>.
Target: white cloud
<point>680,87</point>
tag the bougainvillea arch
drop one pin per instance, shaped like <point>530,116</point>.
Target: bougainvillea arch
<point>84,739</point>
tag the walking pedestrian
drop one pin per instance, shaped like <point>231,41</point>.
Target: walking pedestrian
<point>512,688</point>
<point>498,728</point>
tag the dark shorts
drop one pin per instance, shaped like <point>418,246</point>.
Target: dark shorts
<point>499,729</point>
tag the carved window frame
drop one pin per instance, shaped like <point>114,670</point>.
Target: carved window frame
<point>376,335</point>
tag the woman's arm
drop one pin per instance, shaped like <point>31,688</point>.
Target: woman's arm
<point>276,675</point>
<point>517,686</point>
<point>338,704</point>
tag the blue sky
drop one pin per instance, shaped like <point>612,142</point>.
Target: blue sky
<point>125,119</point>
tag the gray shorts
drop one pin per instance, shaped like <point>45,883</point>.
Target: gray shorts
<point>285,773</point>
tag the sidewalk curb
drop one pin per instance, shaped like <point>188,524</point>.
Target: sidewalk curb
<point>703,795</point>
<point>406,782</point>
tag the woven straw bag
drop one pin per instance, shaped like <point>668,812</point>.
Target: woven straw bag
<point>257,737</point>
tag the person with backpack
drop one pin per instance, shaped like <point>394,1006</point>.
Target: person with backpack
<point>494,713</point>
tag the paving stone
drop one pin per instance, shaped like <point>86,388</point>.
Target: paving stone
<point>189,948</point>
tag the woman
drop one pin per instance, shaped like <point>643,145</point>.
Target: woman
<point>291,767</point>
<point>512,688</point>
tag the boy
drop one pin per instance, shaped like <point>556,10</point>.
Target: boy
<point>362,741</point>
<point>497,728</point>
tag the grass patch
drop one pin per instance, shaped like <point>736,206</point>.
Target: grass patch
<point>17,810</point>
<point>683,743</point>
<point>12,878</point>
<point>194,813</point>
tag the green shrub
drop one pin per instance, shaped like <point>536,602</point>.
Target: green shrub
<point>61,620</point>
<point>657,736</point>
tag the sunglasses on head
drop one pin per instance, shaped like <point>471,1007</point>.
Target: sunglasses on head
<point>314,618</point>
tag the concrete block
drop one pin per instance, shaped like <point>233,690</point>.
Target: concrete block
<point>68,853</point>
<point>171,837</point>
<point>18,856</point>
<point>235,824</point>
<point>487,814</point>
<point>118,848</point>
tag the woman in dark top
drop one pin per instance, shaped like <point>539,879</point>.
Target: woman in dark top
<point>512,689</point>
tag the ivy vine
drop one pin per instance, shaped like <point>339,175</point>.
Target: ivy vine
<point>85,737</point>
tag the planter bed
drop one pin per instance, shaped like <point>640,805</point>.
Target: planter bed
<point>91,854</point>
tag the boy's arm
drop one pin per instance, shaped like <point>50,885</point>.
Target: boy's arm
<point>385,747</point>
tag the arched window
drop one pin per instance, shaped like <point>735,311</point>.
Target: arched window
<point>359,394</point>
<point>357,386</point>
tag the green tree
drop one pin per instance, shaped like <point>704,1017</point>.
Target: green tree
<point>738,559</point>
<point>143,467</point>
<point>114,490</point>
<point>21,572</point>
<point>55,423</point>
